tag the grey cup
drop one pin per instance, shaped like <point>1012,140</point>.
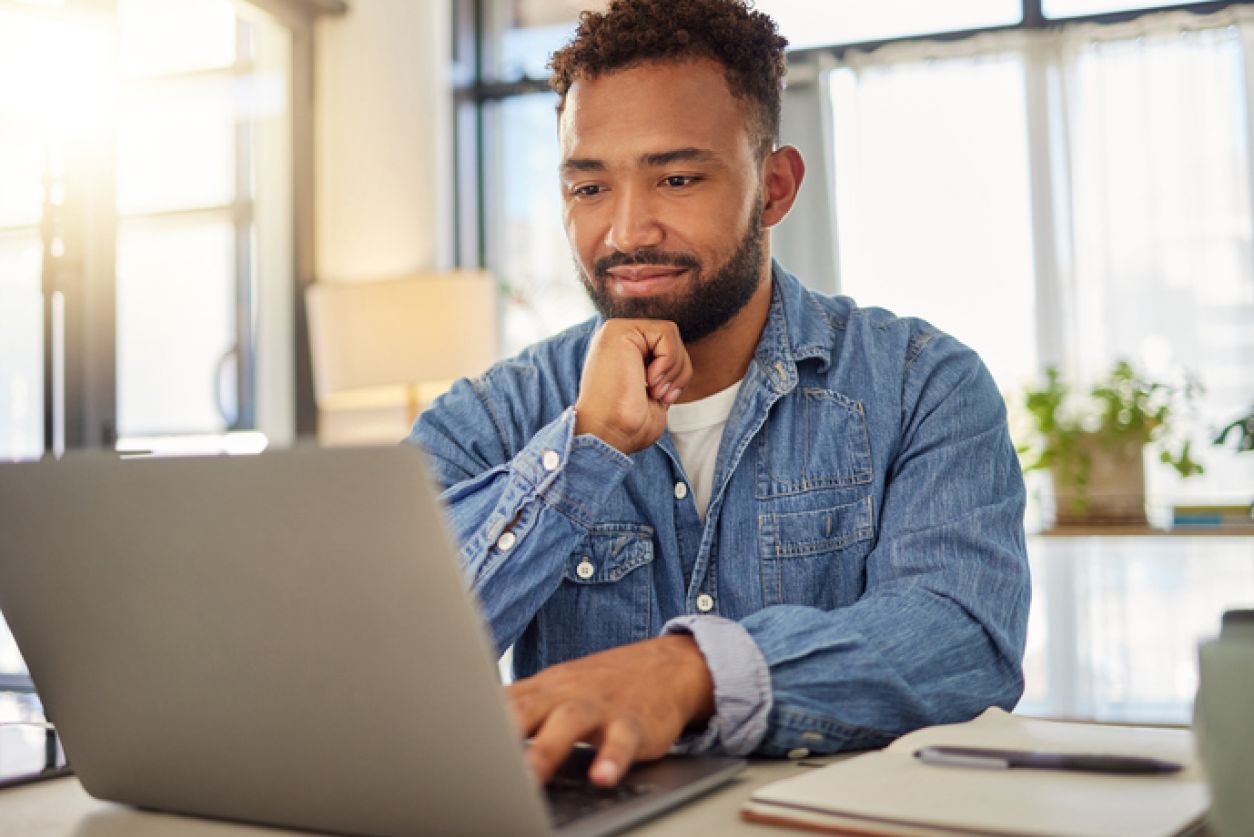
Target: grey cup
<point>1223,721</point>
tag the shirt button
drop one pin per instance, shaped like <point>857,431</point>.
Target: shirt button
<point>506,541</point>
<point>681,490</point>
<point>550,460</point>
<point>705,603</point>
<point>585,570</point>
<point>798,753</point>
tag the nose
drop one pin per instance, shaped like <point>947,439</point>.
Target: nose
<point>635,223</point>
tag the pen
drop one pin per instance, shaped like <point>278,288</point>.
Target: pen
<point>1003,759</point>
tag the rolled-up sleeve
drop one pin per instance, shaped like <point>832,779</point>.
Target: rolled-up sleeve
<point>742,685</point>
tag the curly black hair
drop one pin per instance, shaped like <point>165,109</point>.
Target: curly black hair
<point>634,32</point>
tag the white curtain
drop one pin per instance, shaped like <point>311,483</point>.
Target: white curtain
<point>932,192</point>
<point>1162,257</point>
<point>1070,197</point>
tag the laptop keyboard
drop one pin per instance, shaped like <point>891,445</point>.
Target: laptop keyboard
<point>573,798</point>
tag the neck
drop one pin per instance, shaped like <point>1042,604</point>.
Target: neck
<point>722,358</point>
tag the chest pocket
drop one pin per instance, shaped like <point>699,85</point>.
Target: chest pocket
<point>815,439</point>
<point>605,598</point>
<point>815,557</point>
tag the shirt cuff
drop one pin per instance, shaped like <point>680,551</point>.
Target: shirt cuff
<point>573,474</point>
<point>742,685</point>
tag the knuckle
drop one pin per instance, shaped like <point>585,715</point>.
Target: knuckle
<point>577,710</point>
<point>544,752</point>
<point>521,703</point>
<point>632,726</point>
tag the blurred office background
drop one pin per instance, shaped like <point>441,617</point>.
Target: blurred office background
<point>1056,182</point>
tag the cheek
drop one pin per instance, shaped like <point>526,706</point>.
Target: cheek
<point>718,221</point>
<point>714,236</point>
<point>584,233</point>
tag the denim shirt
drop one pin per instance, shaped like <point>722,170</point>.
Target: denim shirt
<point>864,533</point>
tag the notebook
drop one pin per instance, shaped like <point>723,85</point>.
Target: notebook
<point>892,792</point>
<point>282,639</point>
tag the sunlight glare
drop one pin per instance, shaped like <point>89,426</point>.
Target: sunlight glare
<point>62,61</point>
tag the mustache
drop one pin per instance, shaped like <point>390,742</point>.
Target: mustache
<point>647,256</point>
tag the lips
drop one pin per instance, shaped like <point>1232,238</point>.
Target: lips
<point>640,280</point>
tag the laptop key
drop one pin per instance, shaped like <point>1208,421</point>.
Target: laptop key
<point>571,799</point>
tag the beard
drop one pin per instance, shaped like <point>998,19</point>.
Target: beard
<point>707,304</point>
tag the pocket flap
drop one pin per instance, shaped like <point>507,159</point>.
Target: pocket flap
<point>821,530</point>
<point>610,551</point>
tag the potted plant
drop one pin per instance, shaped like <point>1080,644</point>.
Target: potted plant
<point>1242,430</point>
<point>1092,442</point>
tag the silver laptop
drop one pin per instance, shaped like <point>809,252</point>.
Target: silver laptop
<point>281,639</point>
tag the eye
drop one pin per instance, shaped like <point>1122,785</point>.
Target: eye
<point>590,190</point>
<point>679,181</point>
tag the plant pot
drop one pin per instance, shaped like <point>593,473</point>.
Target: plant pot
<point>1103,483</point>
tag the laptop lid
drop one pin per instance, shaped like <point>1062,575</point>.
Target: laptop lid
<point>281,639</point>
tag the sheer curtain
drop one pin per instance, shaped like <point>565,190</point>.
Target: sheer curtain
<point>1073,197</point>
<point>1161,266</point>
<point>932,192</point>
<point>1068,197</point>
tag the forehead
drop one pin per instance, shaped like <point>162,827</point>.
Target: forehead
<point>651,108</point>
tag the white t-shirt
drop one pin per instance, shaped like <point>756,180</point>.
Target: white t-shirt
<point>697,429</point>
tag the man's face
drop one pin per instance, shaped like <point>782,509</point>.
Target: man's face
<point>662,194</point>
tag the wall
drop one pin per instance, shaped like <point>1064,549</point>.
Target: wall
<point>383,161</point>
<point>383,139</point>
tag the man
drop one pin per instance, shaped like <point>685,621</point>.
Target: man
<point>729,513</point>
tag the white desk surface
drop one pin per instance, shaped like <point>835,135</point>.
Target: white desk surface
<point>61,808</point>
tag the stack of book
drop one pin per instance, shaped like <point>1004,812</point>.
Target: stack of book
<point>1211,516</point>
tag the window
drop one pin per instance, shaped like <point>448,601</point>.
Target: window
<point>807,24</point>
<point>519,225</point>
<point>534,266</point>
<point>146,161</point>
<point>1145,209</point>
<point>932,199</point>
<point>202,87</point>
<point>1076,8</point>
<point>529,32</point>
<point>1163,231</point>
<point>25,115</point>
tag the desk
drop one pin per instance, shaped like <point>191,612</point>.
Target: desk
<point>61,808</point>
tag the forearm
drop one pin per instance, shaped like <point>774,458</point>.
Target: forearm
<point>923,648</point>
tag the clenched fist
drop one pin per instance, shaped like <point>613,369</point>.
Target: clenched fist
<point>634,371</point>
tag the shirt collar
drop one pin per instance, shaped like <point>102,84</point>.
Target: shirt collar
<point>797,328</point>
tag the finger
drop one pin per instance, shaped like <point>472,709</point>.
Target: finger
<point>670,365</point>
<point>528,708</point>
<point>618,749</point>
<point>664,342</point>
<point>683,372</point>
<point>661,369</point>
<point>566,725</point>
<point>676,378</point>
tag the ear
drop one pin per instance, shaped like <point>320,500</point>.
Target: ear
<point>782,173</point>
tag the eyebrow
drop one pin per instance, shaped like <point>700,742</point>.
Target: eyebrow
<point>654,159</point>
<point>679,155</point>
